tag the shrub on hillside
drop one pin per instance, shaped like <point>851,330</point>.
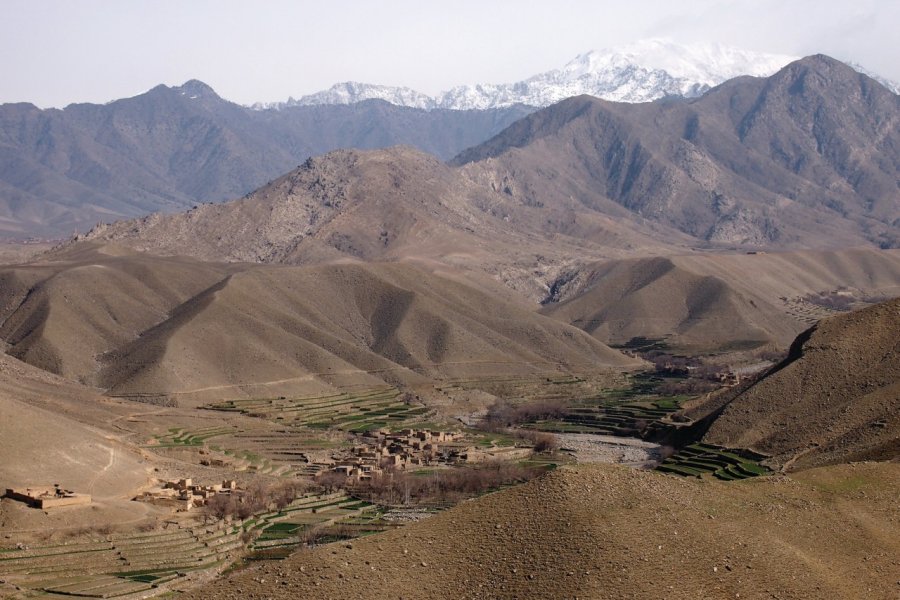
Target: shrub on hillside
<point>542,440</point>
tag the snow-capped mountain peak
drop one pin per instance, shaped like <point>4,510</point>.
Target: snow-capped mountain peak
<point>639,72</point>
<point>351,92</point>
<point>703,63</point>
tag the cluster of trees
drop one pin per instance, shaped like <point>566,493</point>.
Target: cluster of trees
<point>672,364</point>
<point>503,414</point>
<point>541,440</point>
<point>442,485</point>
<point>691,386</point>
<point>258,497</point>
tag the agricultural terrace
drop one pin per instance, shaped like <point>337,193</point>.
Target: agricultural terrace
<point>347,411</point>
<point>147,563</point>
<point>120,564</point>
<point>637,409</point>
<point>697,460</point>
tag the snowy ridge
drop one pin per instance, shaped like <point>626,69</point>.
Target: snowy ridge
<point>639,72</point>
<point>350,92</point>
<point>891,85</point>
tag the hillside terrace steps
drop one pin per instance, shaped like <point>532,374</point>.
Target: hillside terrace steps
<point>727,464</point>
<point>107,568</point>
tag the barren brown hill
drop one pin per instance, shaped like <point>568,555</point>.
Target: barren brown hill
<point>702,301</point>
<point>283,329</point>
<point>835,399</point>
<point>148,326</point>
<point>389,205</point>
<point>64,315</point>
<point>611,532</point>
<point>805,158</point>
<point>52,431</point>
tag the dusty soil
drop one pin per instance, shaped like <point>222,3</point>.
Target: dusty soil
<point>16,252</point>
<point>600,531</point>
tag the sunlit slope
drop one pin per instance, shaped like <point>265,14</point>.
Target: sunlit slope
<point>286,328</point>
<point>718,302</point>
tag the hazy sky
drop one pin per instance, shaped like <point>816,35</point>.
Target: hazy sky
<point>56,52</point>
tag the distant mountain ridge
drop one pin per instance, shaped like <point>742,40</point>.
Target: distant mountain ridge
<point>804,159</point>
<point>639,72</point>
<point>175,147</point>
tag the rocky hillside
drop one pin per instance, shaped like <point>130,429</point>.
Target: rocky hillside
<point>395,204</point>
<point>607,532</point>
<point>835,399</point>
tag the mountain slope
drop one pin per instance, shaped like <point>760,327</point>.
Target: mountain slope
<point>703,302</point>
<point>289,328</point>
<point>171,327</point>
<point>806,157</point>
<point>171,148</point>
<point>835,399</point>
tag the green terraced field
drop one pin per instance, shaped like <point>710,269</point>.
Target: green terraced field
<point>700,459</point>
<point>627,419</point>
<point>197,437</point>
<point>358,411</point>
<point>280,532</point>
<point>127,564</point>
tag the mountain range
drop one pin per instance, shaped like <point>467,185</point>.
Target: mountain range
<point>598,210</point>
<point>639,72</point>
<point>624,220</point>
<point>806,158</point>
<point>172,148</point>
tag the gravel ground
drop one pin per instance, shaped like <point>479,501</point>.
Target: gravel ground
<point>593,448</point>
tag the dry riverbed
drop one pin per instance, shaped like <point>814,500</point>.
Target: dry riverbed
<point>594,448</point>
